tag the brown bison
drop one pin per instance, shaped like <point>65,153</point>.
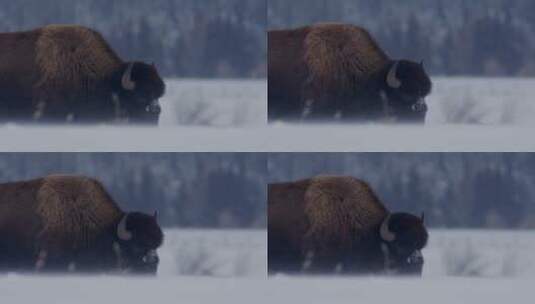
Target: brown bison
<point>70,223</point>
<point>68,73</point>
<point>338,225</point>
<point>337,71</point>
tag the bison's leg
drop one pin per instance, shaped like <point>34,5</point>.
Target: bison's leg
<point>315,262</point>
<point>41,260</point>
<point>50,255</point>
<point>317,103</point>
<point>71,267</point>
<point>284,107</point>
<point>39,110</point>
<point>47,261</point>
<point>309,99</point>
<point>54,108</point>
<point>318,259</point>
<point>282,257</point>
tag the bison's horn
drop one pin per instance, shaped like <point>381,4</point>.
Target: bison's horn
<point>385,232</point>
<point>122,232</point>
<point>126,81</point>
<point>422,217</point>
<point>392,79</point>
<point>155,214</point>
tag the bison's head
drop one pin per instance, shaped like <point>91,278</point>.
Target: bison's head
<point>403,236</point>
<point>138,236</point>
<point>403,92</point>
<point>138,88</point>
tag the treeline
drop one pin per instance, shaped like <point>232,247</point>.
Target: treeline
<point>188,189</point>
<point>452,37</point>
<point>185,38</point>
<point>455,190</point>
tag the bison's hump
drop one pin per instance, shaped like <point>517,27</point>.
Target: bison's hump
<point>74,210</point>
<point>341,210</point>
<point>340,54</point>
<point>72,56</point>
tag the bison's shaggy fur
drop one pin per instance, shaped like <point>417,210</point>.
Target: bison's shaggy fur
<point>59,220</point>
<point>68,73</point>
<point>332,70</point>
<point>342,212</point>
<point>342,56</point>
<point>74,212</point>
<point>73,59</point>
<point>320,223</point>
<point>324,215</point>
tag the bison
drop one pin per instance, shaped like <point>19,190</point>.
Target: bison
<point>63,223</point>
<point>337,71</point>
<point>69,73</point>
<point>336,224</point>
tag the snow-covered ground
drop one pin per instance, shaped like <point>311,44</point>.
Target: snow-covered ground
<point>220,253</point>
<point>207,290</point>
<point>480,253</point>
<point>462,266</point>
<point>485,101</point>
<point>214,102</point>
<point>454,100</point>
<point>466,114</point>
<point>277,138</point>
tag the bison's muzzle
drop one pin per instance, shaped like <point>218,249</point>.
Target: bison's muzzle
<point>413,264</point>
<point>154,108</point>
<point>148,264</point>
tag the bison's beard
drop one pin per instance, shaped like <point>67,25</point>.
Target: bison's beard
<point>127,111</point>
<point>411,265</point>
<point>130,263</point>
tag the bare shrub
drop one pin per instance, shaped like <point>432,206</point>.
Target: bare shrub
<point>464,261</point>
<point>197,259</point>
<point>195,111</point>
<point>465,110</point>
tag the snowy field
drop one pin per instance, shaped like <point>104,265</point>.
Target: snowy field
<point>482,101</point>
<point>462,266</point>
<point>278,138</point>
<point>214,102</point>
<point>216,253</point>
<point>466,114</point>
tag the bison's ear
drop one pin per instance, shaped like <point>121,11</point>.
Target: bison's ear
<point>126,80</point>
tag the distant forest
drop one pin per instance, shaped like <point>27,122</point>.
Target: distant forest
<point>452,37</point>
<point>185,38</point>
<point>226,38</point>
<point>215,190</point>
<point>455,190</point>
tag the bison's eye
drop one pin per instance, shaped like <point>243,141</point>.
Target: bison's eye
<point>408,98</point>
<point>138,250</point>
<point>405,248</point>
